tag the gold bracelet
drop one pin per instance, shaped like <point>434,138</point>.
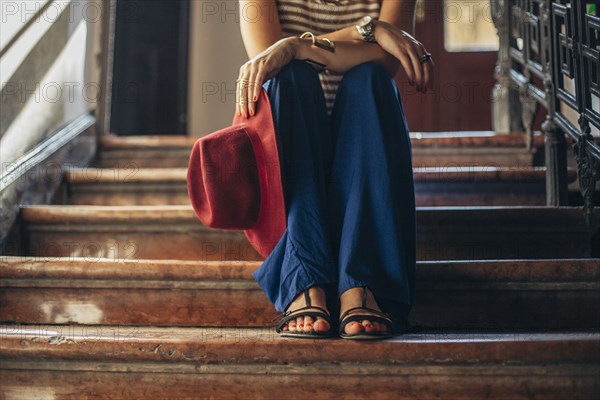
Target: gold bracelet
<point>329,46</point>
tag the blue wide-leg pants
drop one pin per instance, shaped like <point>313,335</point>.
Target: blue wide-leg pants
<point>348,191</point>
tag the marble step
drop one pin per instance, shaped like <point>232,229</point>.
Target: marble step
<point>439,149</point>
<point>454,186</point>
<point>474,148</point>
<point>174,232</point>
<point>168,151</point>
<point>510,294</point>
<point>117,362</point>
<point>124,186</point>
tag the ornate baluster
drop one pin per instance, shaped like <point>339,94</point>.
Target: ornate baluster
<point>529,110</point>
<point>587,152</point>
<point>555,43</point>
<point>501,108</point>
<point>588,169</point>
<point>575,56</point>
<point>555,145</point>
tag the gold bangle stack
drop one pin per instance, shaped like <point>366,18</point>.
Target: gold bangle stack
<point>324,44</point>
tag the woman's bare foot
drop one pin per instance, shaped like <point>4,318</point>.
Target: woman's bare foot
<point>353,298</point>
<point>308,323</point>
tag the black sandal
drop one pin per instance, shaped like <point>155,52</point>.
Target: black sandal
<point>382,317</point>
<point>291,314</point>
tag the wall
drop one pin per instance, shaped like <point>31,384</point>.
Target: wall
<point>43,72</point>
<point>49,71</point>
<point>216,54</point>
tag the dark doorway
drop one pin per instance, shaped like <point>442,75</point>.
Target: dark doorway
<point>150,75</point>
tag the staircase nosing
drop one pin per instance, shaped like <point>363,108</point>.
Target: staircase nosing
<point>262,345</point>
<point>144,213</point>
<point>330,369</point>
<point>443,174</point>
<point>523,270</point>
<point>247,284</point>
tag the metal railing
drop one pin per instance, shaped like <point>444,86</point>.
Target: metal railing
<point>43,151</point>
<point>549,55</point>
<point>20,180</point>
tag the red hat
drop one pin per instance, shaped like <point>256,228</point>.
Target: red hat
<point>234,179</point>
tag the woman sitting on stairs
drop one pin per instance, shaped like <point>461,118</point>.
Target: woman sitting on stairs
<point>345,159</point>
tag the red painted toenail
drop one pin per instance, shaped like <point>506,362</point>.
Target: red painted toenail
<point>368,326</point>
<point>309,324</point>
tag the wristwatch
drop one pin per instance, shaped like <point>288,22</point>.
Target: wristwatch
<point>366,28</point>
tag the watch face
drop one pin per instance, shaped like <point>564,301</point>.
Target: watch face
<point>364,20</point>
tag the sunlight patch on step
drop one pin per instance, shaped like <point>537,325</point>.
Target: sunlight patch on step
<point>81,313</point>
<point>27,393</point>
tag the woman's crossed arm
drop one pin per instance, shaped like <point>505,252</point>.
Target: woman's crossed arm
<point>269,51</point>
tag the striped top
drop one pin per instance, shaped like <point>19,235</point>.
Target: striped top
<point>323,16</point>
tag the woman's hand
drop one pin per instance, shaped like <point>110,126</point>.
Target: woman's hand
<point>258,70</point>
<point>408,51</point>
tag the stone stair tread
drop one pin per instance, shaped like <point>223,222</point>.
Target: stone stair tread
<point>112,142</point>
<point>120,362</point>
<point>237,345</point>
<point>451,174</point>
<point>572,216</point>
<point>429,149</point>
<point>124,175</point>
<point>80,268</point>
<point>434,186</point>
<point>426,139</point>
<point>540,294</point>
<point>75,270</point>
<point>101,214</point>
<point>168,232</point>
<point>473,139</point>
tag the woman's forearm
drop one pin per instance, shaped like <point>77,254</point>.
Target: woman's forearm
<point>399,13</point>
<point>394,46</point>
<point>347,33</point>
<point>348,53</point>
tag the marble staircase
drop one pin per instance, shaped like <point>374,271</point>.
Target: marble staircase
<point>117,291</point>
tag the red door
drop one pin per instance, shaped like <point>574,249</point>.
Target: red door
<point>461,99</point>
